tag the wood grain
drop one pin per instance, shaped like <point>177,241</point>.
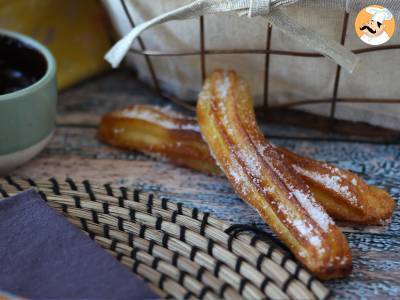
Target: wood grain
<point>75,152</point>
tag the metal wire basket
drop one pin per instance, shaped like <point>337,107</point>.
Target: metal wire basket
<point>280,112</point>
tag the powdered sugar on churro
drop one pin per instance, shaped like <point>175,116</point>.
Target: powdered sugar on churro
<point>236,172</point>
<point>332,182</point>
<point>119,130</point>
<point>315,210</point>
<point>303,196</point>
<point>223,87</point>
<point>137,112</point>
<point>306,231</point>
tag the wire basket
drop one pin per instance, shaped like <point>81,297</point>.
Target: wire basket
<point>180,252</point>
<point>277,112</point>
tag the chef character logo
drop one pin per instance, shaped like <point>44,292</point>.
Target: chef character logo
<point>375,25</point>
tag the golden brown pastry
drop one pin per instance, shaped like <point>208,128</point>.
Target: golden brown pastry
<point>262,178</point>
<point>159,133</point>
<point>345,196</point>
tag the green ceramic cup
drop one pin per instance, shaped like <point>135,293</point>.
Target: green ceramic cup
<point>27,116</point>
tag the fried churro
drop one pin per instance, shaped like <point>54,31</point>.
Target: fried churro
<point>263,179</point>
<point>344,195</point>
<point>160,133</point>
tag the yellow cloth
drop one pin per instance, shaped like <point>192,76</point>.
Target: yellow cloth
<point>75,31</point>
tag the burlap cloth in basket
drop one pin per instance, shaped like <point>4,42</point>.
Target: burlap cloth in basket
<point>303,25</point>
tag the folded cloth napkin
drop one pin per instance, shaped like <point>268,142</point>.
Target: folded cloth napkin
<point>42,255</point>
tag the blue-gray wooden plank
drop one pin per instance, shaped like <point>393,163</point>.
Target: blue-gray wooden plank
<point>75,151</point>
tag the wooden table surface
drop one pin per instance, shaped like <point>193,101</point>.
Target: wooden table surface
<point>75,152</point>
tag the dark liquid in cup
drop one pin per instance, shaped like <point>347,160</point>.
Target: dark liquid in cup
<point>20,65</point>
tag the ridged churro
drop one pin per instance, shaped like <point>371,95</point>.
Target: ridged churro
<point>344,195</point>
<point>158,133</point>
<point>262,178</point>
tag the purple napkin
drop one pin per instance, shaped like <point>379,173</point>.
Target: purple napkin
<point>42,255</point>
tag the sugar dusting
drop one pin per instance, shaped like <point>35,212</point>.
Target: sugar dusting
<point>304,196</point>
<point>332,182</point>
<point>251,161</point>
<point>118,130</point>
<point>304,228</point>
<point>306,231</point>
<point>308,202</point>
<point>144,115</point>
<point>236,172</point>
<point>223,87</point>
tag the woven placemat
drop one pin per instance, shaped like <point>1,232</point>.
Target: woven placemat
<point>181,252</point>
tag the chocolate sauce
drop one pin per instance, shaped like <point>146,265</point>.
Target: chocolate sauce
<point>20,65</point>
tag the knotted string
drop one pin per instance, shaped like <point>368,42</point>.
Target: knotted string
<point>260,8</point>
<point>251,8</point>
<point>236,229</point>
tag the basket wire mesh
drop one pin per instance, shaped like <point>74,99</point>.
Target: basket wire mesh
<point>265,110</point>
